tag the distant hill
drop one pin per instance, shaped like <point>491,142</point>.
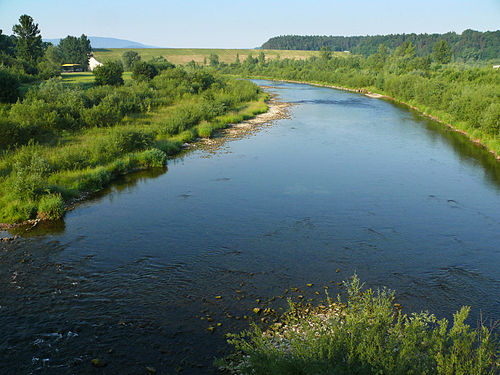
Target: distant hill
<point>101,42</point>
<point>470,45</point>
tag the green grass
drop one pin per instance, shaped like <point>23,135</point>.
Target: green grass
<point>35,180</point>
<point>366,335</point>
<point>185,55</point>
<point>87,78</point>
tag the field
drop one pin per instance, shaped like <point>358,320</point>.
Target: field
<point>185,55</point>
<point>86,78</point>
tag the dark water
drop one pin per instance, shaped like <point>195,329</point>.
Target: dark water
<point>348,183</point>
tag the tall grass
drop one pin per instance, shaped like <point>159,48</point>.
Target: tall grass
<point>365,335</point>
<point>79,140</point>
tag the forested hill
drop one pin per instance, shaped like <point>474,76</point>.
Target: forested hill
<point>470,45</point>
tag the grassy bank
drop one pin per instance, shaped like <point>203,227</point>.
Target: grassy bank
<point>485,139</point>
<point>367,334</point>
<point>466,98</point>
<point>63,141</point>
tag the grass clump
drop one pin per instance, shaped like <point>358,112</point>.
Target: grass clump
<point>153,158</point>
<point>366,335</point>
<point>51,207</point>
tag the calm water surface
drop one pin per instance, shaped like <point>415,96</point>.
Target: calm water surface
<point>348,183</point>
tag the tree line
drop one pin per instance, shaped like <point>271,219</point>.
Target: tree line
<point>463,95</point>
<point>24,57</point>
<point>470,45</point>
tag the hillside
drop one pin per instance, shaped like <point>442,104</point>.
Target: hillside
<point>470,45</point>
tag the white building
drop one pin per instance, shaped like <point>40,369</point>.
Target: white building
<point>93,63</point>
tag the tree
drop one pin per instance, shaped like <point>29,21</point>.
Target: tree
<point>441,52</point>
<point>29,47</point>
<point>129,59</point>
<point>75,50</point>
<point>109,73</point>
<point>407,49</point>
<point>9,86</point>
<point>161,63</point>
<point>143,71</point>
<point>262,58</point>
<point>7,45</point>
<point>325,53</point>
<point>214,59</point>
<point>50,65</point>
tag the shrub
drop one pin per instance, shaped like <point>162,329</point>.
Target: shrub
<point>168,147</point>
<point>94,180</point>
<point>10,134</point>
<point>143,71</point>
<point>161,63</point>
<point>109,73</point>
<point>153,158</point>
<point>368,335</point>
<point>9,86</point>
<point>30,172</point>
<point>51,207</point>
<point>104,114</point>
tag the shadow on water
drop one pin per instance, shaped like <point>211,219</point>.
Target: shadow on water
<point>122,184</point>
<point>468,152</point>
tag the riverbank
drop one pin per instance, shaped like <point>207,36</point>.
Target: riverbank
<point>369,334</point>
<point>375,95</point>
<point>236,125</point>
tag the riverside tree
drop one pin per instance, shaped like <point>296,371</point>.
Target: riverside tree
<point>29,46</point>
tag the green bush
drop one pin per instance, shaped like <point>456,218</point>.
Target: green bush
<point>9,86</point>
<point>94,180</point>
<point>153,158</point>
<point>368,335</point>
<point>143,71</point>
<point>29,173</point>
<point>105,114</point>
<point>109,73</point>
<point>51,207</point>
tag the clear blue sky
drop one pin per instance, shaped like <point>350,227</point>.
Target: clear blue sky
<point>246,24</point>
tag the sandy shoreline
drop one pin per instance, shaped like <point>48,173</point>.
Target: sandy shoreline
<point>276,110</point>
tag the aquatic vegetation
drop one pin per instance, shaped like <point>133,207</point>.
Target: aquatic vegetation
<point>368,334</point>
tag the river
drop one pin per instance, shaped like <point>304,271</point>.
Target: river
<point>348,184</point>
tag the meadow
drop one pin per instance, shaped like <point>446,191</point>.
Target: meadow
<point>185,55</point>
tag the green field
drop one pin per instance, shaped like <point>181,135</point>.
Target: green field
<point>185,55</point>
<point>87,77</point>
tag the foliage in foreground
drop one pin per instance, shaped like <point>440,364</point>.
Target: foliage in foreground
<point>365,336</point>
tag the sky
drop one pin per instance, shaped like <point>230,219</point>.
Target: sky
<point>246,24</point>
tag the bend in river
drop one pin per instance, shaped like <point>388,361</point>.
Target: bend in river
<point>348,182</point>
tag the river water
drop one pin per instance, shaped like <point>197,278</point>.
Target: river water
<point>347,184</point>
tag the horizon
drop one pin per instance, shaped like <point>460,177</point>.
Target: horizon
<point>234,25</point>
